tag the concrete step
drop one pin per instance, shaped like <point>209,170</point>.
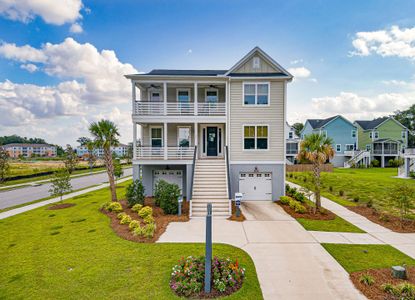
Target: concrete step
<point>205,201</point>
<point>211,196</point>
<point>214,209</point>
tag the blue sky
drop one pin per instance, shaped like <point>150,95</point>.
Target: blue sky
<point>338,71</point>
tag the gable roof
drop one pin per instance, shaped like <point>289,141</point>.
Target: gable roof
<point>373,124</point>
<point>319,123</point>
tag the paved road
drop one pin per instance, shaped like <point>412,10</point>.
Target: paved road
<point>32,193</point>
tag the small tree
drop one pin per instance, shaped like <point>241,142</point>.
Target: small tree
<point>135,193</point>
<point>4,164</point>
<point>60,183</point>
<point>89,144</point>
<point>118,170</point>
<point>401,198</point>
<point>70,159</point>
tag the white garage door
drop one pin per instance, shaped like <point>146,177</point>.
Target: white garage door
<point>255,186</point>
<point>171,176</point>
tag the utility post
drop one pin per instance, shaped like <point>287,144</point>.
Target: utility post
<point>208,253</point>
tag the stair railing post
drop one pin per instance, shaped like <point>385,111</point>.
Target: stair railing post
<point>208,250</point>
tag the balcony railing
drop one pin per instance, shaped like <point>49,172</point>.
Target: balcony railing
<point>179,109</point>
<point>410,151</point>
<point>385,151</point>
<point>148,152</point>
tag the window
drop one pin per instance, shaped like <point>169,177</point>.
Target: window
<point>211,96</point>
<point>349,147</point>
<point>376,135</point>
<point>368,147</point>
<point>290,135</point>
<point>156,137</point>
<point>256,137</point>
<point>338,148</point>
<point>256,93</point>
<point>403,134</point>
<point>256,63</point>
<point>371,135</point>
<point>183,136</point>
<point>183,96</point>
<point>155,96</point>
<point>353,133</point>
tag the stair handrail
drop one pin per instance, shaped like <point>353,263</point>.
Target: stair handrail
<point>227,172</point>
<point>193,173</point>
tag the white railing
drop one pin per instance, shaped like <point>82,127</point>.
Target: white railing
<point>148,152</point>
<point>357,157</point>
<point>351,153</point>
<point>410,151</point>
<point>178,109</point>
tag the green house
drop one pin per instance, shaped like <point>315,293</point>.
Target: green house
<point>385,138</point>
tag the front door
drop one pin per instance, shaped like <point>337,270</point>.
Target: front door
<point>212,141</point>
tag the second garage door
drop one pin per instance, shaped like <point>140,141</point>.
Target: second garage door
<point>255,186</point>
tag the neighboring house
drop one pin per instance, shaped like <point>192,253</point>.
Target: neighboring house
<point>385,138</point>
<point>28,150</point>
<point>342,132</point>
<point>292,144</point>
<point>121,151</point>
<point>213,132</point>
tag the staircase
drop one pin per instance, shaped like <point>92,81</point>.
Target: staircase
<point>210,184</point>
<point>357,157</point>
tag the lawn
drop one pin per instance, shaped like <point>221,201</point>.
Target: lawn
<point>355,258</point>
<point>336,225</point>
<point>74,254</point>
<point>366,184</point>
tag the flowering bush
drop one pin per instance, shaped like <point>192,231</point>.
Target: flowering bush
<point>187,278</point>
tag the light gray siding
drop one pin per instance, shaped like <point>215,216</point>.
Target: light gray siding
<point>247,67</point>
<point>171,133</point>
<point>272,115</point>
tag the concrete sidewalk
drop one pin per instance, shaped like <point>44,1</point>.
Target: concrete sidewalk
<point>404,242</point>
<point>290,262</point>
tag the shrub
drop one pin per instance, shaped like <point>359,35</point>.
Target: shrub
<point>187,278</point>
<point>285,200</point>
<point>375,163</point>
<point>145,211</point>
<point>149,219</point>
<point>369,203</point>
<point>366,279</point>
<point>404,291</point>
<point>330,188</point>
<point>167,196</point>
<point>397,162</point>
<point>412,174</point>
<point>138,230</point>
<point>125,220</point>
<point>135,193</point>
<point>401,198</point>
<point>121,215</point>
<point>137,207</point>
<point>112,206</point>
<point>299,208</point>
<point>356,199</point>
<point>300,197</point>
<point>341,193</point>
<point>148,230</point>
<point>134,224</point>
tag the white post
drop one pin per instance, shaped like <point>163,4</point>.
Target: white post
<point>165,97</point>
<point>195,102</point>
<point>134,139</point>
<point>165,140</point>
<point>133,95</point>
<point>196,136</point>
<point>227,129</point>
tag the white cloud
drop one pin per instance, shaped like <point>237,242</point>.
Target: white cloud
<point>189,51</point>
<point>296,61</point>
<point>76,28</point>
<point>390,42</point>
<point>51,11</point>
<point>23,54</point>
<point>29,67</point>
<point>300,72</point>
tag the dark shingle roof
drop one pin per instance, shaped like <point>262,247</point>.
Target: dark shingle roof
<point>186,72</point>
<point>318,123</point>
<point>371,124</point>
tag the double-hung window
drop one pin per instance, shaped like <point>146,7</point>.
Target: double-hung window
<point>255,137</point>
<point>353,133</point>
<point>156,137</point>
<point>256,93</point>
<point>183,136</point>
<point>338,148</point>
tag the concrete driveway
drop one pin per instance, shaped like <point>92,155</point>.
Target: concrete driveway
<point>290,263</point>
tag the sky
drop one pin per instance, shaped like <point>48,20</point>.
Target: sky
<point>62,62</point>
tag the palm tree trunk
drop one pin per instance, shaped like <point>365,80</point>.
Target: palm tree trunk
<point>110,171</point>
<point>317,192</point>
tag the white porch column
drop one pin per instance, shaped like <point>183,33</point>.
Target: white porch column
<point>165,140</point>
<point>227,104</point>
<point>133,98</point>
<point>165,97</point>
<point>134,140</point>
<point>195,102</point>
<point>196,132</point>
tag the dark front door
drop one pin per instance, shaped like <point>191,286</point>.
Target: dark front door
<point>212,141</point>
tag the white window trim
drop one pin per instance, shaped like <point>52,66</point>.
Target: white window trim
<point>151,135</point>
<point>183,90</point>
<point>403,134</point>
<point>355,133</point>
<point>338,145</point>
<point>212,90</point>
<point>255,137</point>
<point>290,135</point>
<point>190,135</point>
<point>154,90</point>
<point>256,94</point>
<point>376,134</point>
<point>345,148</point>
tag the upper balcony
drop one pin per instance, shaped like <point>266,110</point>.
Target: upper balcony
<point>179,101</point>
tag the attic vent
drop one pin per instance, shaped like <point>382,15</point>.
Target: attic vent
<point>256,63</point>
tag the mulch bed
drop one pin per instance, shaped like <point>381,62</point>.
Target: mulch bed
<point>61,206</point>
<point>387,220</point>
<point>325,215</point>
<point>381,276</point>
<point>233,217</point>
<point>161,220</point>
<point>214,293</point>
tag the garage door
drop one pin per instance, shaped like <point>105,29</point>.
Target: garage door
<point>171,176</point>
<point>255,186</point>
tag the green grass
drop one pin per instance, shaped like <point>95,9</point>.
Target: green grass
<point>355,258</point>
<point>367,184</point>
<point>336,225</point>
<point>74,254</point>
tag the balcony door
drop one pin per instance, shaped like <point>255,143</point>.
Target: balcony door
<point>156,136</point>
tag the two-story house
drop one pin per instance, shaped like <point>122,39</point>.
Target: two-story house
<point>213,132</point>
<point>385,138</point>
<point>342,132</point>
<point>292,144</point>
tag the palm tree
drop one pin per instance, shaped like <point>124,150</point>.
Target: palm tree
<point>317,149</point>
<point>106,135</point>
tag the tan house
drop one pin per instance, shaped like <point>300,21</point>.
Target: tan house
<point>16,150</point>
<point>213,132</point>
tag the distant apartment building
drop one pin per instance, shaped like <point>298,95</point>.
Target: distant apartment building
<point>121,150</point>
<point>30,150</point>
